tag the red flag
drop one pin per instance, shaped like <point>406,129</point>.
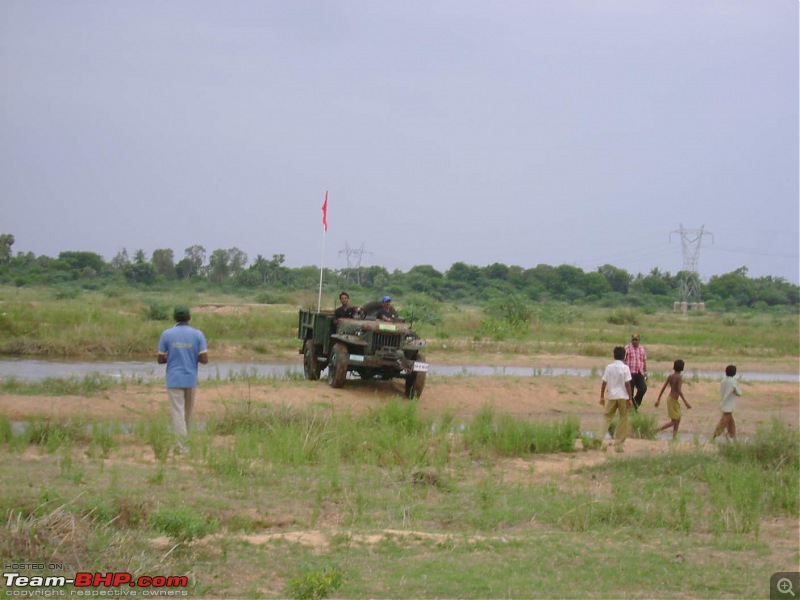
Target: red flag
<point>325,212</point>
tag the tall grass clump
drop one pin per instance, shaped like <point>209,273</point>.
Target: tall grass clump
<point>402,417</point>
<point>775,446</point>
<point>394,435</point>
<point>391,435</point>
<point>52,435</point>
<point>182,524</point>
<point>280,326</point>
<point>737,498</point>
<point>103,439</point>
<point>314,584</point>
<point>246,416</point>
<point>229,462</point>
<point>272,297</point>
<point>158,435</point>
<point>774,456</point>
<point>506,435</point>
<point>758,476</point>
<point>517,437</point>
<point>277,434</point>
<point>300,441</point>
<point>90,384</point>
<point>47,534</point>
<point>643,426</point>
<point>6,430</point>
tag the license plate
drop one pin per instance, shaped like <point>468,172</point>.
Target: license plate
<point>356,358</point>
<point>420,367</point>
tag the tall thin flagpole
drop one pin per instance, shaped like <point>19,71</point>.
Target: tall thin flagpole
<point>322,257</point>
<point>321,269</point>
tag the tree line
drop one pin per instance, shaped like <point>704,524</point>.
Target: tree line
<point>231,269</point>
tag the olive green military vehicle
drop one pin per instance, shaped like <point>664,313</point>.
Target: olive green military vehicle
<point>369,347</point>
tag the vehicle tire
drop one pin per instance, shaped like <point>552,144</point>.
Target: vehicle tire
<point>311,368</point>
<point>337,365</point>
<point>415,381</point>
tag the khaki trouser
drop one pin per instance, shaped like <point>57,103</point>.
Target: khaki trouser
<point>613,406</point>
<point>726,422</point>
<point>181,406</point>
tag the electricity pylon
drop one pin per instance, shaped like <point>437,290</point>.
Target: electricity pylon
<point>354,256</point>
<point>691,240</point>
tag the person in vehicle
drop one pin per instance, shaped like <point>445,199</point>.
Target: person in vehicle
<point>387,311</point>
<point>346,310</point>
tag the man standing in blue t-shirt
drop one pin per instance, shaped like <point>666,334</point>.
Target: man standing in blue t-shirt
<point>180,348</point>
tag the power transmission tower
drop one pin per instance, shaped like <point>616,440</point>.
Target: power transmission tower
<point>354,257</point>
<point>691,240</point>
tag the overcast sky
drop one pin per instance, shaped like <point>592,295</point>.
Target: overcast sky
<point>520,132</point>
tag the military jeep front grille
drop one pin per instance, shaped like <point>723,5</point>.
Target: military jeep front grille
<point>386,340</point>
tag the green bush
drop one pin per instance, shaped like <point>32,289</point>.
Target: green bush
<point>66,292</point>
<point>312,585</point>
<point>182,524</point>
<point>558,313</point>
<point>273,297</point>
<point>623,316</point>
<point>514,309</point>
<point>158,311</point>
<point>421,308</point>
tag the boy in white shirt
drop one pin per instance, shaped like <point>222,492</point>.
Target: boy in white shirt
<point>729,391</point>
<point>617,380</point>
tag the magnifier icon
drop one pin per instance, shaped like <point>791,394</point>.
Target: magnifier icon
<point>785,586</point>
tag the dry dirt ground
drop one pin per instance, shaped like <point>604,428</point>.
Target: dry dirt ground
<point>536,398</point>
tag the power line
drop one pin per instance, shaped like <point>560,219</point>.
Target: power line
<point>755,252</point>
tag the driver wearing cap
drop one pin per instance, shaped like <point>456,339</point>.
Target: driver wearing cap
<point>387,311</point>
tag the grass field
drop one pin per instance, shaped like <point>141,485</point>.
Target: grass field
<point>317,500</point>
<point>38,322</point>
<point>487,487</point>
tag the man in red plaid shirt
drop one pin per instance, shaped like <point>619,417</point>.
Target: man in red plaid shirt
<point>636,359</point>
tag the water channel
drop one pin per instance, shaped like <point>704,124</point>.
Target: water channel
<point>37,370</point>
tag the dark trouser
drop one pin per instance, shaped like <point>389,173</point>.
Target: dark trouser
<point>639,387</point>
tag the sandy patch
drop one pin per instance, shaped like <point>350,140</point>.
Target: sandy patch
<point>535,398</point>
